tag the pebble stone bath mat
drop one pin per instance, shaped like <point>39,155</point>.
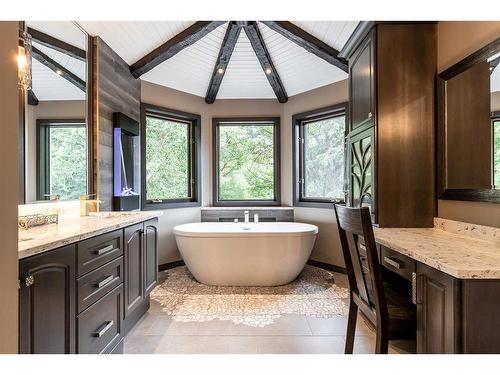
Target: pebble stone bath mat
<point>313,293</point>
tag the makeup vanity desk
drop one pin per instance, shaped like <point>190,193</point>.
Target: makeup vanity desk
<point>454,273</point>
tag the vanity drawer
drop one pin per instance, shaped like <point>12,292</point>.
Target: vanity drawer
<point>97,251</point>
<point>94,285</point>
<point>397,262</point>
<point>100,327</point>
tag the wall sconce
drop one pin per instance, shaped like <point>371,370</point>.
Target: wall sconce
<point>24,60</point>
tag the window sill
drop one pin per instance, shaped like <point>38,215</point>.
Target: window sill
<point>167,206</point>
<point>326,205</point>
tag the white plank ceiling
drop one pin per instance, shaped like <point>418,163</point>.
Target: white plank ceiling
<point>191,69</point>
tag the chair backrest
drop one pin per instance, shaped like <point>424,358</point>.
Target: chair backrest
<point>361,260</point>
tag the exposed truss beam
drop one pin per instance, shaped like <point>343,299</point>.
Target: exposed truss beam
<point>57,44</point>
<point>264,57</point>
<point>309,42</point>
<point>58,68</point>
<point>226,50</point>
<point>32,99</point>
<point>173,46</point>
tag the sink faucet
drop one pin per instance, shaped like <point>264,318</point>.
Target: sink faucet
<point>247,216</point>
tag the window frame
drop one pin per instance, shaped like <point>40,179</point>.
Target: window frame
<point>298,122</point>
<point>216,123</point>
<point>195,157</point>
<point>43,153</point>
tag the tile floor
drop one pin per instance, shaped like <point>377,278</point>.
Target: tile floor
<point>157,332</point>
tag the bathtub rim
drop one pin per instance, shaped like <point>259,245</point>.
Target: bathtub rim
<point>308,230</point>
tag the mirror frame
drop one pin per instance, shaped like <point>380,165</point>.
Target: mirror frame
<point>477,195</point>
<point>89,120</point>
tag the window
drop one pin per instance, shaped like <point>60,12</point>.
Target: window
<point>246,162</point>
<point>61,159</point>
<point>170,142</point>
<point>319,154</point>
<point>496,152</point>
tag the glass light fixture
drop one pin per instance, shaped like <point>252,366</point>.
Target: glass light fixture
<point>24,60</point>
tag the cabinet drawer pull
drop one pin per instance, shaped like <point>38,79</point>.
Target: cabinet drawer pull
<point>414,288</point>
<point>101,332</point>
<point>104,250</point>
<point>104,282</point>
<point>394,263</point>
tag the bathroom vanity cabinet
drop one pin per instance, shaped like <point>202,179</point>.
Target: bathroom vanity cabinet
<point>84,297</point>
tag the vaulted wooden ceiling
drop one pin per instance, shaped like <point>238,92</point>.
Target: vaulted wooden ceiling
<point>231,60</point>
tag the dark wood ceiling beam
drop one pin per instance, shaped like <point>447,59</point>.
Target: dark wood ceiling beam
<point>309,42</point>
<point>57,44</point>
<point>173,46</point>
<point>226,50</point>
<point>32,99</point>
<point>58,69</point>
<point>264,57</point>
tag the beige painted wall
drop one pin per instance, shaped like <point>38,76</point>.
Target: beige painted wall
<point>456,40</point>
<point>327,248</point>
<point>9,105</point>
<point>53,109</point>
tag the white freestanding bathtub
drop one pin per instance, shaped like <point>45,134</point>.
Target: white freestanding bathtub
<point>239,254</point>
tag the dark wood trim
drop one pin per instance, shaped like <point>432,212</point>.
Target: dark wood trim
<point>56,67</point>
<point>327,266</point>
<point>170,265</point>
<point>215,163</point>
<point>226,50</point>
<point>195,167</point>
<point>259,47</point>
<point>359,33</point>
<point>475,57</point>
<point>297,120</point>
<point>173,46</point>
<point>478,195</point>
<point>57,44</point>
<point>309,42</point>
<point>32,99</point>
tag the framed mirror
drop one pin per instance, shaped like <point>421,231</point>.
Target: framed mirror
<point>55,129</point>
<point>469,127</point>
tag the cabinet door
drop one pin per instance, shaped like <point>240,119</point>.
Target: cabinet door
<point>47,303</point>
<point>362,85</point>
<point>134,268</point>
<point>361,171</point>
<point>437,312</point>
<point>150,254</point>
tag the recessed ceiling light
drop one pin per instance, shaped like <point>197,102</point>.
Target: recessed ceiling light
<point>59,72</point>
<point>220,70</point>
<point>268,71</point>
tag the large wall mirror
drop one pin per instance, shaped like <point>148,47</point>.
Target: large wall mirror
<point>55,112</point>
<point>469,127</point>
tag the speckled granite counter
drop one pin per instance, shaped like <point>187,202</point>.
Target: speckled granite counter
<point>44,238</point>
<point>462,250</point>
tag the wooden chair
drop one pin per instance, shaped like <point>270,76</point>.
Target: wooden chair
<point>388,308</point>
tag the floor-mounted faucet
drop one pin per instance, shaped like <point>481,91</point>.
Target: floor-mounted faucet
<point>247,216</point>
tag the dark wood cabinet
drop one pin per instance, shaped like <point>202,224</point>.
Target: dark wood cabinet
<point>438,322</point>
<point>85,297</point>
<point>362,85</point>
<point>134,268</point>
<point>151,255</point>
<point>47,302</point>
<point>392,92</point>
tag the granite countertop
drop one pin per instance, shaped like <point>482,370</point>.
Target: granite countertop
<point>37,240</point>
<point>456,253</point>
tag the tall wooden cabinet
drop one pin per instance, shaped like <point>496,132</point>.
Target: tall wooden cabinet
<point>392,70</point>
